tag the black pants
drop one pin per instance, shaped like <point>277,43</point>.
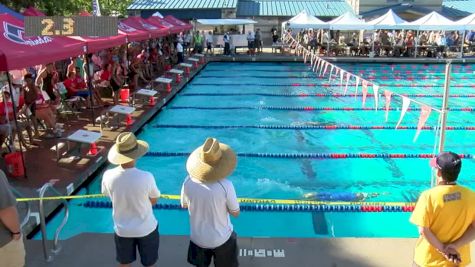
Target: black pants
<point>180,57</point>
<point>226,49</point>
<point>225,255</point>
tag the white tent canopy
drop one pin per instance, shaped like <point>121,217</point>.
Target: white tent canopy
<point>467,23</point>
<point>217,22</point>
<point>303,20</point>
<point>157,14</point>
<point>431,21</point>
<point>388,21</point>
<point>349,21</point>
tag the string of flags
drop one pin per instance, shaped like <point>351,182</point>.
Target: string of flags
<point>322,66</point>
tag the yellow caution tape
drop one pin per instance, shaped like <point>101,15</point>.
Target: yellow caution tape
<point>241,200</point>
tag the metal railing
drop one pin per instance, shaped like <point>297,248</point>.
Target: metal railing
<point>27,204</point>
<point>56,246</point>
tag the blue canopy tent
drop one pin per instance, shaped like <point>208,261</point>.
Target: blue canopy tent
<point>4,9</point>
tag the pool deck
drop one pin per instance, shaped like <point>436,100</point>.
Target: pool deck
<point>98,250</point>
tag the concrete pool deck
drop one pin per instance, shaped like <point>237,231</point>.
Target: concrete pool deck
<point>98,250</point>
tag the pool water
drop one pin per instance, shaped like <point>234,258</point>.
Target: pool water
<point>226,94</point>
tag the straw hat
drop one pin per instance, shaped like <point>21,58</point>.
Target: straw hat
<point>126,149</point>
<point>211,162</point>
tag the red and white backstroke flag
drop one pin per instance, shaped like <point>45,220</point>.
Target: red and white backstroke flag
<point>342,74</point>
<point>348,76</point>
<point>331,73</point>
<point>387,95</point>
<point>364,89</point>
<point>405,105</point>
<point>376,95</point>
<point>357,84</point>
<point>425,113</point>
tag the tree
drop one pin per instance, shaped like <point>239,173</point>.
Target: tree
<point>70,7</point>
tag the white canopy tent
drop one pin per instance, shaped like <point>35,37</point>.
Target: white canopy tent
<point>388,21</point>
<point>468,23</point>
<point>431,22</point>
<point>157,14</point>
<point>218,22</point>
<point>349,22</point>
<point>303,20</point>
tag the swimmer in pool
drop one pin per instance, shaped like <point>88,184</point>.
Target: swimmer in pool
<point>340,196</point>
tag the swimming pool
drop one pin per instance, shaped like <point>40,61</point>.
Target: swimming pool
<point>240,103</point>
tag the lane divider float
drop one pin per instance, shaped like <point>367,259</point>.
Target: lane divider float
<point>311,127</point>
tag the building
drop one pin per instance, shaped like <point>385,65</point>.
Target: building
<point>271,13</point>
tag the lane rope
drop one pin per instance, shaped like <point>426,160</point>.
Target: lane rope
<point>320,95</point>
<point>344,207</point>
<point>309,108</point>
<point>259,201</point>
<point>314,155</point>
<point>335,85</point>
<point>311,127</point>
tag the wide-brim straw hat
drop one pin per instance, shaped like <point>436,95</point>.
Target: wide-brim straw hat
<point>126,149</point>
<point>211,162</point>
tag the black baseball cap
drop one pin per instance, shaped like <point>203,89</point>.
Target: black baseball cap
<point>447,161</point>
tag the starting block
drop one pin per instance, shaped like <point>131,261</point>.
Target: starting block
<point>166,81</point>
<point>178,74</point>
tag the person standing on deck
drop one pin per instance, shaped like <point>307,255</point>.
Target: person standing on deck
<point>444,214</point>
<point>133,192</point>
<point>12,250</point>
<point>210,198</point>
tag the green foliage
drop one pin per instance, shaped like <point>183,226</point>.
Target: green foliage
<point>70,7</point>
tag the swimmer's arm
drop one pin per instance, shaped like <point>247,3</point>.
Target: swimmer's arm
<point>431,238</point>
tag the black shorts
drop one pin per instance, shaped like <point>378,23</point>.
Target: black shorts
<point>225,255</point>
<point>115,86</point>
<point>148,248</point>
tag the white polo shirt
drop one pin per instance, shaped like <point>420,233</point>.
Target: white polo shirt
<point>208,206</point>
<point>130,191</point>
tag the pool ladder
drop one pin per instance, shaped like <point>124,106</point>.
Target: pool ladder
<point>56,247</point>
<point>27,204</point>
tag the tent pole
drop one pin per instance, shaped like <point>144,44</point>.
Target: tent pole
<point>462,43</point>
<point>445,103</point>
<point>415,43</point>
<point>89,87</point>
<point>374,39</point>
<point>16,121</point>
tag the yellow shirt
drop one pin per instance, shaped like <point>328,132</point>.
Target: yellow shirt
<point>447,210</point>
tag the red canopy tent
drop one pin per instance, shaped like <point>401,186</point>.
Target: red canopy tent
<point>172,28</point>
<point>19,51</point>
<point>33,12</point>
<point>159,23</point>
<point>178,23</point>
<point>141,24</point>
<point>95,44</point>
<point>133,34</point>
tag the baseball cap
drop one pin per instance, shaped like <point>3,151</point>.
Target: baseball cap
<point>446,161</point>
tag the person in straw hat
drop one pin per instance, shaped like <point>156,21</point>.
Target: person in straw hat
<point>210,198</point>
<point>133,192</point>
